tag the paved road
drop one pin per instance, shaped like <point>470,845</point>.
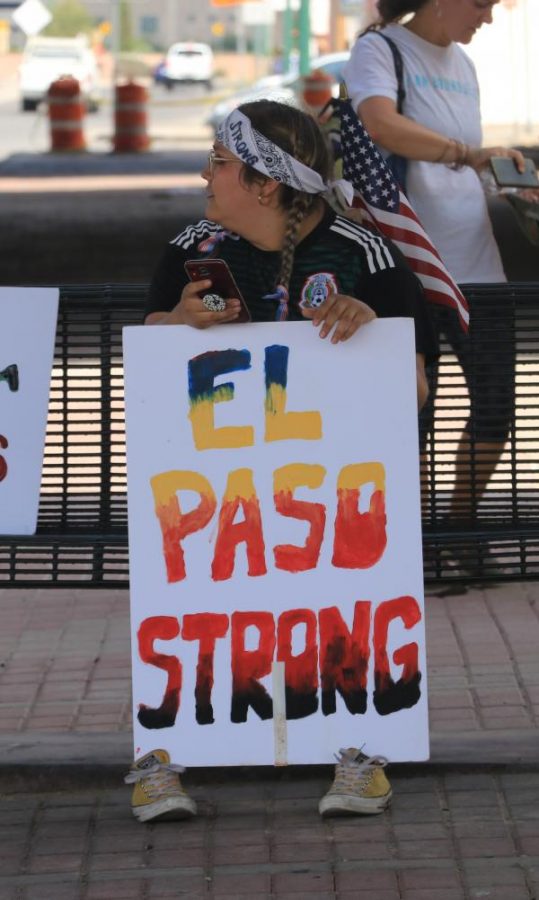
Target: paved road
<point>175,119</point>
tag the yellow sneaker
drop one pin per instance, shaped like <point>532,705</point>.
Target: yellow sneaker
<point>157,792</point>
<point>360,786</point>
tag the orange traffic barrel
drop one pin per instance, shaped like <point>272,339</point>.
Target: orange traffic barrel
<point>317,89</point>
<point>130,118</point>
<point>66,114</point>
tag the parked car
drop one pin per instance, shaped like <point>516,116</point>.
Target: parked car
<point>286,88</point>
<point>185,62</point>
<point>45,59</point>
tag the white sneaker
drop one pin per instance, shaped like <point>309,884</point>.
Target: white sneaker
<point>157,792</point>
<point>360,786</point>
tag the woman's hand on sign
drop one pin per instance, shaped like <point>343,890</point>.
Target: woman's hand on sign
<point>341,314</point>
<point>191,310</point>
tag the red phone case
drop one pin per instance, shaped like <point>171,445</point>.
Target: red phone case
<point>222,281</point>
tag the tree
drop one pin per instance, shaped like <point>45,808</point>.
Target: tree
<point>69,18</point>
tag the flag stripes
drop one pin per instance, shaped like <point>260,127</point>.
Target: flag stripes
<point>383,205</point>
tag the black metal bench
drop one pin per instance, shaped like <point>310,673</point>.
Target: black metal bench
<point>81,539</point>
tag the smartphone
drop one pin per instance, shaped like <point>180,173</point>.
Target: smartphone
<point>222,281</point>
<point>507,174</point>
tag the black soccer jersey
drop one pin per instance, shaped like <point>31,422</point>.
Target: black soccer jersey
<point>339,255</point>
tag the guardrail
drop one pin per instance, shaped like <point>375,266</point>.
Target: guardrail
<point>81,539</point>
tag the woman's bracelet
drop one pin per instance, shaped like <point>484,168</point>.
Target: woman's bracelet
<point>447,146</point>
<point>461,156</point>
<point>458,150</point>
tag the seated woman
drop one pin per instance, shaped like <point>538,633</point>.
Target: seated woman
<point>292,257</point>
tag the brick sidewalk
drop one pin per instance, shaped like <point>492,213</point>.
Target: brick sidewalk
<point>456,830</point>
<point>446,837</point>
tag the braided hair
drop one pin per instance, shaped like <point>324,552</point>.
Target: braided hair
<point>298,134</point>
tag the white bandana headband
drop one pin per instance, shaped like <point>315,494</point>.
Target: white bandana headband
<point>238,135</point>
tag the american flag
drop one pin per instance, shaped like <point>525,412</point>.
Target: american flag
<point>384,206</point>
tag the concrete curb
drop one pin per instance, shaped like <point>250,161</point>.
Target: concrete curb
<point>156,162</point>
<point>56,761</point>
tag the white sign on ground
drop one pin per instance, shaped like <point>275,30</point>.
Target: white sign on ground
<point>26,354</point>
<point>275,550</point>
<point>32,16</point>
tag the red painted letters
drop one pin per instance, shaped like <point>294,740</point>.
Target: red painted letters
<point>333,658</point>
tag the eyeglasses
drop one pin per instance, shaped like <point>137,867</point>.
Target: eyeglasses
<point>213,159</point>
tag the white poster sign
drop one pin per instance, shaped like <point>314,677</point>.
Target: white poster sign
<point>275,550</point>
<point>26,354</point>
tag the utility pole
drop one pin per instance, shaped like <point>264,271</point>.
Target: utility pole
<point>304,37</point>
<point>288,20</point>
<point>115,36</point>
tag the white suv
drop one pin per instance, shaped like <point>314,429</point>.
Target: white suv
<point>188,62</point>
<point>46,59</point>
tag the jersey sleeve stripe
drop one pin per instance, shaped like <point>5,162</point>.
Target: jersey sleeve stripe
<point>377,252</point>
<point>193,234</point>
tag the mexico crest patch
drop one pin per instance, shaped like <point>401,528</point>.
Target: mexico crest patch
<point>316,289</point>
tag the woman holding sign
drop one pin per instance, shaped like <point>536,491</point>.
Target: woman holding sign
<point>289,257</point>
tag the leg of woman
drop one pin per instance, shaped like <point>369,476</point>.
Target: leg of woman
<point>488,362</point>
<point>476,462</point>
<point>426,447</point>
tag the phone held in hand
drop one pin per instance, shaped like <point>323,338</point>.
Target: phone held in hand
<point>222,282</point>
<point>507,175</point>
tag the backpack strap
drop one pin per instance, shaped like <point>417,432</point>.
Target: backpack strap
<point>399,67</point>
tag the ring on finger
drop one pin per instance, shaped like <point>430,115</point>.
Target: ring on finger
<point>214,302</point>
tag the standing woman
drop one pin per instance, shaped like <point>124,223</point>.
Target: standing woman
<point>438,132</point>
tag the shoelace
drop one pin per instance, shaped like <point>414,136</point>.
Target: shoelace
<point>349,768</point>
<point>159,769</point>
